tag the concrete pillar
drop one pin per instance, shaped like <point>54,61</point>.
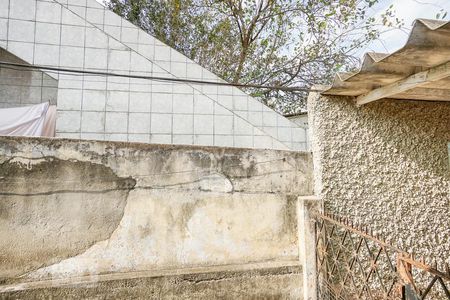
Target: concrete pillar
<point>307,205</point>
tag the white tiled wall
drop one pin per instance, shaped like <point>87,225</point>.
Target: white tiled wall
<point>82,34</point>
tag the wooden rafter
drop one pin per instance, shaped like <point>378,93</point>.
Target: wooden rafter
<point>411,82</point>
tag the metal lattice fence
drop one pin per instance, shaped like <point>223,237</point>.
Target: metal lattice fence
<point>353,264</point>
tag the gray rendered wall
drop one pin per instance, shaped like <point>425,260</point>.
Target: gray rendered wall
<point>78,208</point>
<point>386,165</point>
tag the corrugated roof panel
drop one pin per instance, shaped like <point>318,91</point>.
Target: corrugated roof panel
<point>428,45</point>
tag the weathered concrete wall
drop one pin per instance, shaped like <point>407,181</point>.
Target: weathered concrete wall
<point>20,87</point>
<point>386,165</point>
<point>73,208</point>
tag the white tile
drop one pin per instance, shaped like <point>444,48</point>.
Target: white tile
<point>210,90</point>
<point>284,122</point>
<point>119,60</point>
<point>183,103</point>
<point>95,38</point>
<point>220,110</point>
<point>92,136</point>
<point>284,134</point>
<point>94,4</point>
<point>116,137</point>
<point>254,105</point>
<point>162,103</point>
<point>226,101</point>
<point>208,76</point>
<point>69,99</point>
<point>223,124</point>
<point>140,63</point>
<point>70,81</point>
<point>205,140</point>
<point>178,69</point>
<point>71,57</point>
<point>72,35</point>
<point>193,71</point>
<point>66,135</point>
<point>47,33</point>
<point>48,12</point>
<point>46,55</point>
<point>92,121</point>
<point>242,127</point>
<point>22,9</point>
<point>21,31</point>
<point>116,122</point>
<point>183,139</point>
<point>119,83</point>
<point>243,141</point>
<point>182,124</point>
<point>203,105</point>
<point>272,131</point>
<point>77,2</point>
<point>140,102</point>
<point>139,123</point>
<point>139,138</point>
<point>147,50</point>
<point>3,29</point>
<point>240,103</point>
<point>225,90</point>
<point>162,53</point>
<point>161,123</point>
<point>299,134</point>
<point>117,101</point>
<point>181,88</point>
<point>129,35</point>
<point>4,9</point>
<point>94,100</point>
<point>113,31</point>
<point>68,121</point>
<point>69,18</point>
<point>112,19</point>
<point>269,118</point>
<point>94,83</point>
<point>162,87</point>
<point>80,11</point>
<point>223,140</point>
<point>95,58</point>
<point>161,139</point>
<point>145,38</point>
<point>203,124</point>
<point>140,85</point>
<point>176,56</point>
<point>255,118</point>
<point>263,142</point>
<point>94,15</point>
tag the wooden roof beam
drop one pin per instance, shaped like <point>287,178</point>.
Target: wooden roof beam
<point>401,86</point>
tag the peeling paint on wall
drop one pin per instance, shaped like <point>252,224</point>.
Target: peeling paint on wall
<point>101,207</point>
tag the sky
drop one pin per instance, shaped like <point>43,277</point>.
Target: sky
<point>407,10</point>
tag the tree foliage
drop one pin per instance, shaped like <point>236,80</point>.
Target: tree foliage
<point>264,42</point>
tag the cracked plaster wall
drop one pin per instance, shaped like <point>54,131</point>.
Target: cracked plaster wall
<point>386,165</point>
<point>73,208</point>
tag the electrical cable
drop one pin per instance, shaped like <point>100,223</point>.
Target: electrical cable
<point>157,78</point>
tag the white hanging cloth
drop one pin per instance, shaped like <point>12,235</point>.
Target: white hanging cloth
<point>35,120</point>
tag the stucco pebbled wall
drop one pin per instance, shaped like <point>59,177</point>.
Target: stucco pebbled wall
<point>386,165</point>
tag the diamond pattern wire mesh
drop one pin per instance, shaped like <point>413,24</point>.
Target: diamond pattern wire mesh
<point>353,264</point>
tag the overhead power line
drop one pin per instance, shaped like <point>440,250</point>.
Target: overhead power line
<point>156,78</point>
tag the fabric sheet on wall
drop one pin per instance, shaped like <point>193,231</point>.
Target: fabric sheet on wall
<point>35,120</point>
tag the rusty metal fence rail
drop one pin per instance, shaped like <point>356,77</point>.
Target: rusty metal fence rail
<point>353,263</point>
